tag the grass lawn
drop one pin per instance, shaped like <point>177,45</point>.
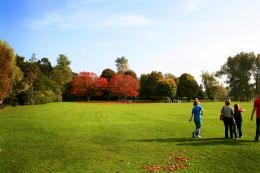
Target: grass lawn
<point>79,137</point>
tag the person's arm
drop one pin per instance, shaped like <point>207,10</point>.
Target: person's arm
<point>253,111</point>
<point>201,113</point>
<point>191,117</point>
<point>241,109</point>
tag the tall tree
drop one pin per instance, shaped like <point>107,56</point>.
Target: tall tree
<point>9,72</point>
<point>166,88</point>
<point>256,73</point>
<point>210,84</point>
<point>84,85</point>
<point>45,66</point>
<point>101,86</point>
<point>62,73</point>
<point>187,87</point>
<point>149,83</point>
<point>124,86</point>
<point>122,65</point>
<point>239,70</point>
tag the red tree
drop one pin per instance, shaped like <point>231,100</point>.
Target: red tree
<point>84,84</point>
<point>101,85</point>
<point>124,86</point>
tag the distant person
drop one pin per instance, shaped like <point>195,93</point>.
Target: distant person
<point>228,113</point>
<point>197,112</point>
<point>257,109</point>
<point>238,118</point>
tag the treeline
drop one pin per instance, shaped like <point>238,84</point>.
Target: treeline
<point>37,81</point>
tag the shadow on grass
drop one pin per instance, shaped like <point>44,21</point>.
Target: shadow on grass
<point>197,142</point>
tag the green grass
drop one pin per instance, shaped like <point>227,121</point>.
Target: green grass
<point>77,137</point>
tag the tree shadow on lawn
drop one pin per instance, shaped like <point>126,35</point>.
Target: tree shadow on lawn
<point>198,142</point>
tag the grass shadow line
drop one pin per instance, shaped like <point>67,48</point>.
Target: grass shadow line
<point>197,142</point>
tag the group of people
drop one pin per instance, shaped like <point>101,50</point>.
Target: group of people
<point>231,117</point>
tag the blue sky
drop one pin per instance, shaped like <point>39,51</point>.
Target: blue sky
<point>171,36</point>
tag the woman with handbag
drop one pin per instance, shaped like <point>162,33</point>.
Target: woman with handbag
<point>228,114</point>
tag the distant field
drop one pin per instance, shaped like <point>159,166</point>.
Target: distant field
<point>78,137</point>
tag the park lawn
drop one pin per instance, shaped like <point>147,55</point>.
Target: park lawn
<point>82,137</point>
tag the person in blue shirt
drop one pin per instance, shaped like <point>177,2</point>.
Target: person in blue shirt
<point>196,114</point>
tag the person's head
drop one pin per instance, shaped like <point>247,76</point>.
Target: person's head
<point>236,107</point>
<point>227,102</point>
<point>195,103</point>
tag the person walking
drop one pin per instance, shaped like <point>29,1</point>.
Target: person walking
<point>238,118</point>
<point>228,113</point>
<point>196,114</point>
<point>256,108</point>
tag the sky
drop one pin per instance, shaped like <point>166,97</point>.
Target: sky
<point>171,36</point>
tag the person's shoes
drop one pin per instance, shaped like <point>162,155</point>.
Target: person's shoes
<point>256,139</point>
<point>240,136</point>
<point>198,136</point>
<point>193,135</point>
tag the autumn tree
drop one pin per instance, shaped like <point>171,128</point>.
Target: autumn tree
<point>100,86</point>
<point>9,72</point>
<point>124,86</point>
<point>187,87</point>
<point>83,85</point>
<point>122,65</point>
<point>166,88</point>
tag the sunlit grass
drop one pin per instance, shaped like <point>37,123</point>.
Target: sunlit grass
<point>78,137</point>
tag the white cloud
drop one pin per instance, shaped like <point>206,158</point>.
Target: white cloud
<point>85,14</point>
<point>191,6</point>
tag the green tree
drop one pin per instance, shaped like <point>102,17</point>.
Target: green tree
<point>256,73</point>
<point>131,73</point>
<point>149,83</point>
<point>239,70</point>
<point>187,87</point>
<point>210,84</point>
<point>122,65</point>
<point>166,88</point>
<point>108,73</point>
<point>201,94</point>
<point>221,92</point>
<point>171,76</point>
<point>45,66</point>
<point>62,72</point>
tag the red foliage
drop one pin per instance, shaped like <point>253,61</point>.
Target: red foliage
<point>175,162</point>
<point>84,84</point>
<point>124,85</point>
<point>101,85</point>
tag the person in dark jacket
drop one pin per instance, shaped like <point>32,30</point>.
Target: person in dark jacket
<point>238,118</point>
